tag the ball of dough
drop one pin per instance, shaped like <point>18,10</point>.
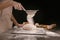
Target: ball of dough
<point>29,27</point>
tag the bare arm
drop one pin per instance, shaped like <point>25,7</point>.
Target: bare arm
<point>18,6</point>
<point>15,22</point>
<point>5,4</point>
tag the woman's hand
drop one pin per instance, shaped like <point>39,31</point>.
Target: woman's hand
<point>20,25</point>
<point>18,6</point>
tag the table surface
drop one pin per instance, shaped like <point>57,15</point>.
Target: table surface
<point>19,36</point>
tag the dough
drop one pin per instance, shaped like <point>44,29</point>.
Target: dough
<point>29,27</point>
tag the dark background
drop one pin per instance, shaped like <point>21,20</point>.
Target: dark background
<point>47,10</point>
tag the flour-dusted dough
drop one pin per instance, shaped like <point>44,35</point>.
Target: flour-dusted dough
<point>29,27</point>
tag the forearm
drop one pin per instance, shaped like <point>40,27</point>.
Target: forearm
<point>14,21</point>
<point>18,6</point>
<point>5,5</point>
